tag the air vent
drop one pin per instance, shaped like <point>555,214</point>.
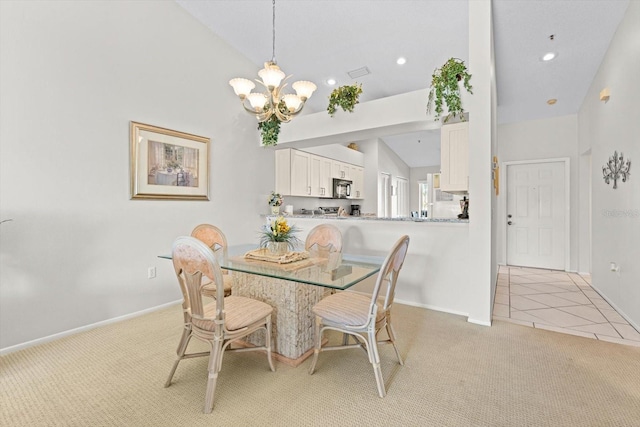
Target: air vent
<point>354,74</point>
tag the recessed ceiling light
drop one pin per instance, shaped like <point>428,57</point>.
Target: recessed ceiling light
<point>552,101</point>
<point>549,56</point>
<point>331,82</point>
<point>401,61</point>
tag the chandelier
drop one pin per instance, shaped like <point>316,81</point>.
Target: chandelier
<point>272,101</point>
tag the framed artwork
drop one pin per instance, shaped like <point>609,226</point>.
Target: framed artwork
<point>167,164</point>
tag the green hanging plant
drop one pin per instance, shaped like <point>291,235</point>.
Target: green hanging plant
<point>345,97</point>
<point>444,88</point>
<point>269,130</point>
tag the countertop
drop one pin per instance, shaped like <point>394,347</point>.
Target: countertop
<point>372,218</point>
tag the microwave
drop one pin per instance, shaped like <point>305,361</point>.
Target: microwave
<point>341,188</point>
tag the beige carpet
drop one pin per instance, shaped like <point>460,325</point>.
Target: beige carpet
<point>456,374</point>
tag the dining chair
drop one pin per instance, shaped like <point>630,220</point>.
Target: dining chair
<point>363,316</point>
<point>324,239</point>
<point>213,237</point>
<point>218,323</point>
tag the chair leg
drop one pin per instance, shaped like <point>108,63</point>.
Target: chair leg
<point>216,353</point>
<point>316,348</point>
<point>392,338</point>
<point>182,348</point>
<point>267,343</point>
<point>374,358</point>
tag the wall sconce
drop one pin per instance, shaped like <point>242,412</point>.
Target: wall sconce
<point>615,168</point>
<point>496,174</point>
<point>604,94</point>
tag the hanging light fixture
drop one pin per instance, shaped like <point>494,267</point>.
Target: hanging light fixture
<point>272,101</point>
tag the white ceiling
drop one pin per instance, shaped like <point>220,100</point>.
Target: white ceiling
<point>316,40</point>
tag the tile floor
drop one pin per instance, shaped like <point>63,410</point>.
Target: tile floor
<point>559,302</point>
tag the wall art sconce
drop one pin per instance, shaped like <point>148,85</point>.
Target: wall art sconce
<point>495,174</point>
<point>616,168</point>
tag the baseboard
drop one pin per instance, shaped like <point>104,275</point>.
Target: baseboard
<point>59,335</point>
<point>479,322</point>
<point>616,308</point>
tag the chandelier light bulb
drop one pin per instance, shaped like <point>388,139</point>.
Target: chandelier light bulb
<point>292,102</point>
<point>304,89</point>
<point>257,101</point>
<point>271,75</point>
<point>242,87</point>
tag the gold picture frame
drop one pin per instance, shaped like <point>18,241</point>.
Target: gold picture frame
<point>167,164</point>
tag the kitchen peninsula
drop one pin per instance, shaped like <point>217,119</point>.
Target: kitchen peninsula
<point>435,272</point>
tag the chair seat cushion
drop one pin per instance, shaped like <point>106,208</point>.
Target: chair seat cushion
<point>239,312</point>
<point>209,288</point>
<point>346,308</point>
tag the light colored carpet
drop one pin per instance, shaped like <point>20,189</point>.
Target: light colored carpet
<point>456,374</point>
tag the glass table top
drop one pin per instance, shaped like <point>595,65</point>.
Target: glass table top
<point>338,271</point>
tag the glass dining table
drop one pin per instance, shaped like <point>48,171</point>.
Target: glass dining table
<point>292,289</point>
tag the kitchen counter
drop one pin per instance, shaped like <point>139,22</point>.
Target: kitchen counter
<point>373,218</point>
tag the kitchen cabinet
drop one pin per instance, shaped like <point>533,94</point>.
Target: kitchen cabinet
<point>320,179</point>
<point>339,169</point>
<point>454,158</point>
<point>299,173</point>
<point>356,175</point>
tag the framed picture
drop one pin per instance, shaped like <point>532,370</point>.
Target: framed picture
<point>167,164</point>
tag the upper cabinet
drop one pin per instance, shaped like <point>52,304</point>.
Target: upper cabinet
<point>299,173</point>
<point>356,175</point>
<point>454,156</point>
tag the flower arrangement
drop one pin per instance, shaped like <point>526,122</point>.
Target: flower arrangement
<point>275,199</point>
<point>277,230</point>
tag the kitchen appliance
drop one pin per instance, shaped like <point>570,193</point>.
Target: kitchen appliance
<point>355,210</point>
<point>341,188</point>
<point>329,210</point>
<point>464,206</point>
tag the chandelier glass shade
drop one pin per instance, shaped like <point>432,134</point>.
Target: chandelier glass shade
<point>272,102</point>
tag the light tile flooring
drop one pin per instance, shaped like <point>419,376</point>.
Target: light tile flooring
<point>559,302</point>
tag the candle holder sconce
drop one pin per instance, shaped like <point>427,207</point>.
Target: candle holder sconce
<point>615,169</point>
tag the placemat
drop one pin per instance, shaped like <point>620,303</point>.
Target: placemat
<point>263,254</point>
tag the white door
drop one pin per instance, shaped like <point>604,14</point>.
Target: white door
<point>536,215</point>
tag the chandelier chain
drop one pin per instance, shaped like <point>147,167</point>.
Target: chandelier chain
<point>273,26</point>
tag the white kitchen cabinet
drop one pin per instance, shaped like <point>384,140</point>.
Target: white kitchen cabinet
<point>339,169</point>
<point>356,175</point>
<point>299,173</point>
<point>454,158</point>
<point>320,179</point>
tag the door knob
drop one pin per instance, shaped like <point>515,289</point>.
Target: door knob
<point>509,222</point>
<point>509,216</point>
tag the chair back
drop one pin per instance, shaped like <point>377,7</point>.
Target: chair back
<point>193,259</point>
<point>213,237</point>
<point>388,275</point>
<point>324,239</point>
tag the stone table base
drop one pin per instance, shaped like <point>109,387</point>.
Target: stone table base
<point>292,319</point>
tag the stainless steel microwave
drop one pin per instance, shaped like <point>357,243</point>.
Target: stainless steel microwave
<point>341,188</point>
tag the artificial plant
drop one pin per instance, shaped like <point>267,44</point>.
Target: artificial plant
<point>345,97</point>
<point>445,88</point>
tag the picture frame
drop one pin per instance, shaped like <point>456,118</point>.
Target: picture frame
<point>168,164</point>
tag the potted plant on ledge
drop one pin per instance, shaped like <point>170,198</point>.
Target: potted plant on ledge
<point>445,88</point>
<point>345,97</point>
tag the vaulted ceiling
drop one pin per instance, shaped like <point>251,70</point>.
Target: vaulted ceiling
<point>318,40</point>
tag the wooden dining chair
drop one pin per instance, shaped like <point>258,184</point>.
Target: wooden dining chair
<point>363,316</point>
<point>218,323</point>
<point>213,237</point>
<point>323,239</point>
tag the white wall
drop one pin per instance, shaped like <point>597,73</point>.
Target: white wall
<point>604,128</point>
<point>533,140</point>
<point>72,76</point>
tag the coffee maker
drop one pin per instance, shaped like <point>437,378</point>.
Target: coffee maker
<point>355,210</point>
<point>464,206</point>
